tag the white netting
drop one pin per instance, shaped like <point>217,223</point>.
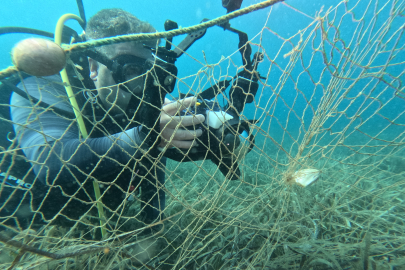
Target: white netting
<point>332,100</point>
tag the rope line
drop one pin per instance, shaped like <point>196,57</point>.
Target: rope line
<point>143,37</point>
<point>172,33</point>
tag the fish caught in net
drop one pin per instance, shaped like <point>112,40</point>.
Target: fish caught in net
<point>296,158</point>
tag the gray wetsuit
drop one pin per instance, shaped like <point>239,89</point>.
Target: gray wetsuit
<point>53,145</point>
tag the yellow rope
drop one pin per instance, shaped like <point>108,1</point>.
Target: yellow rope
<point>76,110</point>
<point>64,75</point>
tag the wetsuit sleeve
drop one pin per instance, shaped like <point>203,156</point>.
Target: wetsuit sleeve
<point>51,141</point>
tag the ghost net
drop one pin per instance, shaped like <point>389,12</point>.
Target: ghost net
<point>331,99</point>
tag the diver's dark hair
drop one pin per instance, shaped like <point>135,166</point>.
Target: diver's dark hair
<point>115,22</point>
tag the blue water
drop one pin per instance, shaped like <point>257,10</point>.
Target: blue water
<point>43,15</point>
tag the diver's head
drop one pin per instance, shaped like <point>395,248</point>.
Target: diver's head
<point>116,22</point>
<point>130,57</point>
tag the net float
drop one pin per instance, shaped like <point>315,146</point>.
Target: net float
<point>38,57</point>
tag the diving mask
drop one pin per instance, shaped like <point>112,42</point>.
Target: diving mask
<point>126,67</point>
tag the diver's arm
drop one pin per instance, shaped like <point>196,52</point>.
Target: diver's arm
<point>51,143</point>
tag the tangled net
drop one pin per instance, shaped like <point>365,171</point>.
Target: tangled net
<point>332,100</point>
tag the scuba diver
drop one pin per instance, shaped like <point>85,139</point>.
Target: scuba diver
<point>132,126</point>
<point>64,163</point>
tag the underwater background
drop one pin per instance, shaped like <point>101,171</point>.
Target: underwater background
<point>346,119</point>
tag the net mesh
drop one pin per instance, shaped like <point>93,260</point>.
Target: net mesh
<point>332,100</point>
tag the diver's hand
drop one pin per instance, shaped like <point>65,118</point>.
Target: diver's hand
<point>172,127</point>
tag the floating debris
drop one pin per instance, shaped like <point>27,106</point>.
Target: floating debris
<point>304,177</point>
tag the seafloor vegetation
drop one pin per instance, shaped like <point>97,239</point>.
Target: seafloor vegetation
<point>352,217</point>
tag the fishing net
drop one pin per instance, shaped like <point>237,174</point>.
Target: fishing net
<point>332,100</point>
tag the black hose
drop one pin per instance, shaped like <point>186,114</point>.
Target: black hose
<point>16,29</point>
<point>82,14</point>
<point>66,36</point>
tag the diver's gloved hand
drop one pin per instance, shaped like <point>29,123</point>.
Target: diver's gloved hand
<point>173,132</point>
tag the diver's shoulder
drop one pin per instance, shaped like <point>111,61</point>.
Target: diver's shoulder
<point>49,90</point>
<point>42,83</point>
